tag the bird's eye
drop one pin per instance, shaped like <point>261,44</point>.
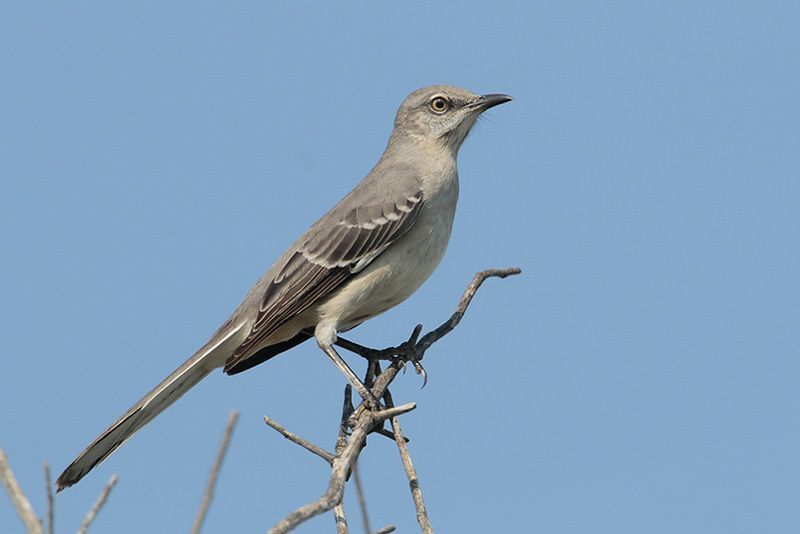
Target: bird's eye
<point>439,104</point>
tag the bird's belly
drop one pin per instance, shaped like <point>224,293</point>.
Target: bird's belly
<point>395,275</point>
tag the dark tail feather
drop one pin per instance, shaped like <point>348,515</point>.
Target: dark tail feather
<point>268,352</point>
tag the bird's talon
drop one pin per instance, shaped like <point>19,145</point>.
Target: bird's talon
<point>421,371</point>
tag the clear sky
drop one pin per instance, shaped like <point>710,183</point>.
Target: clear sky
<point>641,376</point>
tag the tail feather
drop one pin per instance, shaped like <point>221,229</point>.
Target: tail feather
<point>156,401</point>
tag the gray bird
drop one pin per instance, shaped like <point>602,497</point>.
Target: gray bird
<point>368,254</point>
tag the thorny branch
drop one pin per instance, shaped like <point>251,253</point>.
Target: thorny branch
<point>362,421</point>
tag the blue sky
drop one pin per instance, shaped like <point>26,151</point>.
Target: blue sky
<point>640,376</point>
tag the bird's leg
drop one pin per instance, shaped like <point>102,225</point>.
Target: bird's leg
<point>362,390</point>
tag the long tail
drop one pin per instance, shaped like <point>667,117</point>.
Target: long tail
<point>196,368</point>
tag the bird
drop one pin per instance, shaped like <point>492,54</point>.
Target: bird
<point>370,252</point>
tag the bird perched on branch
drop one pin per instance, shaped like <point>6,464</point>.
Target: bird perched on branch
<point>368,254</point>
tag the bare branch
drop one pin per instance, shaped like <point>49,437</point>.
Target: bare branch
<point>411,473</point>
<point>362,421</point>
<point>388,529</point>
<point>208,494</point>
<point>365,422</point>
<point>341,443</point>
<point>382,382</point>
<point>445,328</point>
<point>413,350</point>
<point>48,485</point>
<point>362,501</point>
<point>340,467</point>
<point>21,503</point>
<point>294,438</point>
<point>341,520</point>
<point>101,500</point>
<point>391,413</point>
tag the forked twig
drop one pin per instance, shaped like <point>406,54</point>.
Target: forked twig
<point>363,421</point>
<point>344,460</point>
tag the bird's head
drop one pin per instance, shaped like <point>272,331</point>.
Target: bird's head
<point>442,113</point>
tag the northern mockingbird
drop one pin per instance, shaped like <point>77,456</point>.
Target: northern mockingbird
<point>366,255</point>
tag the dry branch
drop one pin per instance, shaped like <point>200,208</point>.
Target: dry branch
<point>48,485</point>
<point>363,421</point>
<point>208,494</point>
<point>411,473</point>
<point>413,350</point>
<point>294,438</point>
<point>21,503</point>
<point>340,468</point>
<point>362,500</point>
<point>101,500</point>
<point>341,520</point>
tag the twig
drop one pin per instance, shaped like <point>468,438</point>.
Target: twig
<point>21,503</point>
<point>48,485</point>
<point>413,349</point>
<point>208,494</point>
<point>341,442</point>
<point>445,328</point>
<point>382,382</point>
<point>343,461</point>
<point>333,495</point>
<point>391,413</point>
<point>411,473</point>
<point>362,501</point>
<point>101,500</point>
<point>294,438</point>
<point>339,517</point>
<point>363,421</point>
<point>388,529</point>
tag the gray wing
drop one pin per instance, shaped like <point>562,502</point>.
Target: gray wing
<point>335,249</point>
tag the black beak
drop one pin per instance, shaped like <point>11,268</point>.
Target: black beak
<point>489,101</point>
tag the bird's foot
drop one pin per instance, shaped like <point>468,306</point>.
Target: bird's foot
<point>406,352</point>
